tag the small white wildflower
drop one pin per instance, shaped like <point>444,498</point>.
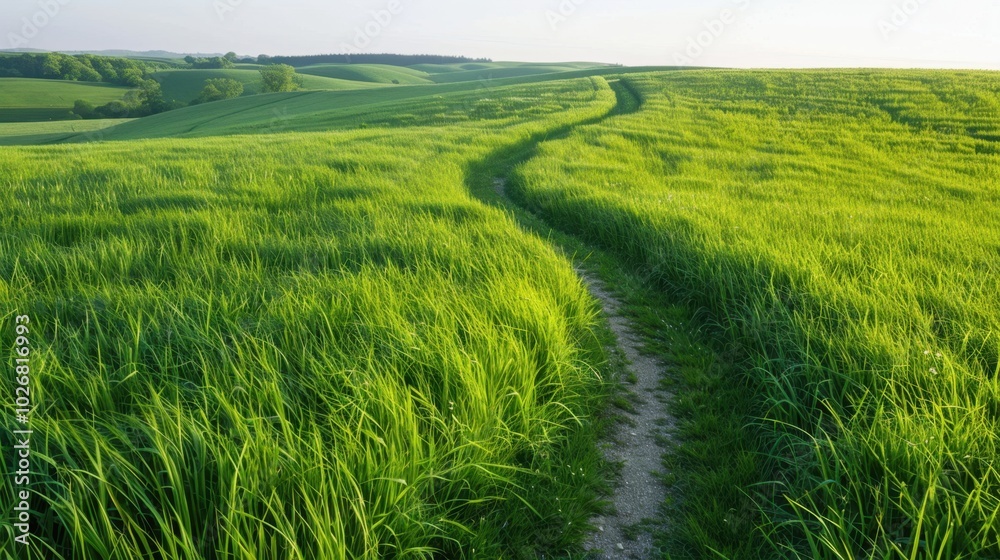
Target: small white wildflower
<point>934,371</point>
<point>927,352</point>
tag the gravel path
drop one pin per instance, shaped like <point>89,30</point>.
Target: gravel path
<point>640,493</point>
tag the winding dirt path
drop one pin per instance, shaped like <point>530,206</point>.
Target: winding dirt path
<point>640,492</point>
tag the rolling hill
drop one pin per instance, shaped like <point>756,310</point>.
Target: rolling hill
<point>321,332</point>
<point>24,99</point>
<point>186,84</point>
<point>326,110</point>
<point>49,132</point>
<point>373,73</point>
<point>361,305</point>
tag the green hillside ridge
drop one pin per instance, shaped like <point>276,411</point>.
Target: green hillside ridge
<point>50,132</point>
<point>493,73</point>
<point>186,84</point>
<point>510,69</point>
<point>25,99</point>
<point>328,110</point>
<point>374,73</point>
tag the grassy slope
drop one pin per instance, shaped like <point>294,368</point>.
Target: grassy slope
<point>493,73</point>
<point>320,334</point>
<point>185,85</point>
<point>871,181</point>
<point>373,73</point>
<point>24,99</point>
<point>842,228</point>
<point>479,66</point>
<point>316,111</point>
<point>20,133</point>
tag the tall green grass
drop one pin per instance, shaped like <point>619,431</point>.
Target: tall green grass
<point>842,228</point>
<point>28,133</point>
<point>298,346</point>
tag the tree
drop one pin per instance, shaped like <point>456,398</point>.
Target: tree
<point>190,59</point>
<point>132,77</point>
<point>85,109</point>
<point>213,63</point>
<point>113,110</point>
<point>51,66</point>
<point>146,99</point>
<point>217,89</point>
<point>278,77</point>
<point>230,56</point>
<point>90,75</point>
<point>263,59</point>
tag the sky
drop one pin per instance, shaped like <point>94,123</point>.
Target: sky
<point>733,33</point>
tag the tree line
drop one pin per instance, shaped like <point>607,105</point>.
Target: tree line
<point>227,61</point>
<point>78,68</point>
<point>390,59</point>
<point>145,97</point>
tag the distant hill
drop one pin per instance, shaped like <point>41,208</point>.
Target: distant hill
<point>372,73</point>
<point>121,53</point>
<point>185,85</point>
<point>308,60</point>
<point>384,58</point>
<point>26,99</point>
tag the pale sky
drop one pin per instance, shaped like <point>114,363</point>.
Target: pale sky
<point>740,33</point>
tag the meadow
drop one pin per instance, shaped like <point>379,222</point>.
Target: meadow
<point>32,100</point>
<point>185,85</point>
<point>306,325</point>
<point>393,107</point>
<point>840,227</point>
<point>368,73</point>
<point>299,346</point>
<point>28,133</point>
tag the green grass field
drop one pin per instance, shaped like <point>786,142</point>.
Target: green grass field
<point>319,334</point>
<point>24,100</point>
<point>186,84</point>
<point>486,72</point>
<point>373,73</point>
<point>841,228</point>
<point>26,133</point>
<point>325,110</point>
<point>487,66</point>
<point>305,325</point>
